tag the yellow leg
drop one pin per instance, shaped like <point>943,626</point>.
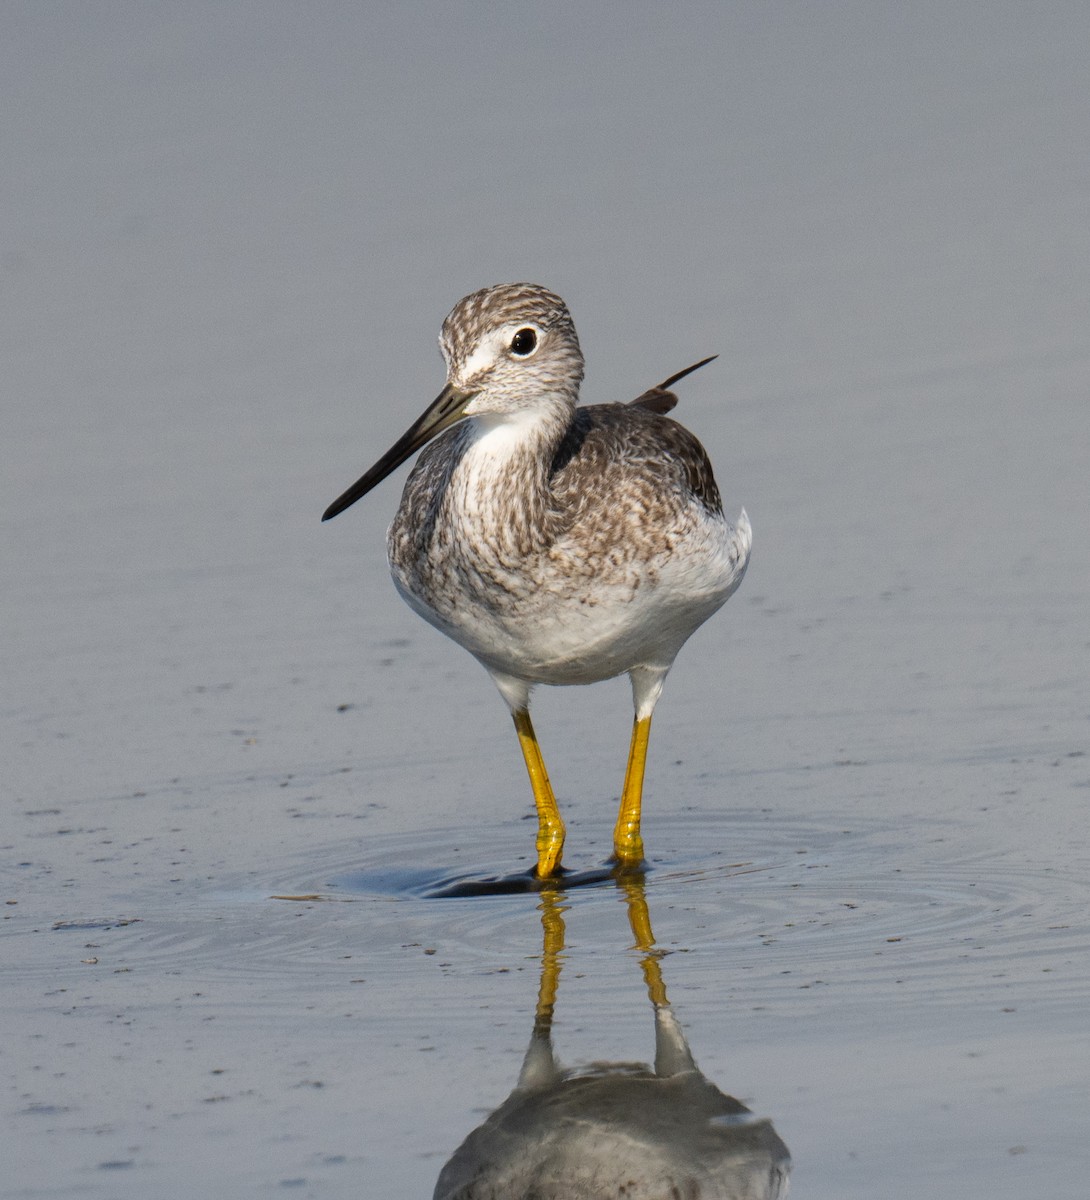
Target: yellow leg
<point>550,827</point>
<point>627,843</point>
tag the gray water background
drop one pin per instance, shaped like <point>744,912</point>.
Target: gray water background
<point>230,232</point>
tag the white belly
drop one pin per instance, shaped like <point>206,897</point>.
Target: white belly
<point>570,627</point>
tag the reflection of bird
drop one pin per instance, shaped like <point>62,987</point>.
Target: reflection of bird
<point>616,1129</point>
<point>557,545</point>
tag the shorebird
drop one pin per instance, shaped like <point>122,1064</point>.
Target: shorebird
<point>558,544</point>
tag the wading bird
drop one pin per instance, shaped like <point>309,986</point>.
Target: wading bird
<point>557,544</point>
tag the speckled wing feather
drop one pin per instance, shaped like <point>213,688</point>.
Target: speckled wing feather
<point>622,458</point>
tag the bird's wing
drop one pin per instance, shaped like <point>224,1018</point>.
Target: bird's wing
<point>660,399</point>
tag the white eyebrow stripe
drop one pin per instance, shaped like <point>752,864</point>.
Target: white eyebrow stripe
<point>483,357</point>
<point>493,344</point>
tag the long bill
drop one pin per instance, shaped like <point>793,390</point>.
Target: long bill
<point>449,406</point>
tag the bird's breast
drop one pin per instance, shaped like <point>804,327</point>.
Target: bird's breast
<point>558,585</point>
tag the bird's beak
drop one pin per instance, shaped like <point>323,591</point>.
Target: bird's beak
<point>449,406</point>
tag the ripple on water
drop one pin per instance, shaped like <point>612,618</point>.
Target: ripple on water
<point>799,902</point>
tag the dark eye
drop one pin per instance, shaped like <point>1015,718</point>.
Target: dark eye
<point>524,343</point>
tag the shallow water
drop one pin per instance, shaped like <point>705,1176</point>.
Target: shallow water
<point>239,771</point>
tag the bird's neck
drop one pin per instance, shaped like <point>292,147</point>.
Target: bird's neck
<point>502,481</point>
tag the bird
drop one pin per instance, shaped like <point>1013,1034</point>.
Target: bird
<point>558,543</point>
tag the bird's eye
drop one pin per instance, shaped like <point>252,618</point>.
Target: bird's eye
<point>524,343</point>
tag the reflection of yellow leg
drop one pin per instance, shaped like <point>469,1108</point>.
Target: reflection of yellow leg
<point>627,843</point>
<point>552,925</point>
<point>539,1067</point>
<point>550,827</point>
<point>640,920</point>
